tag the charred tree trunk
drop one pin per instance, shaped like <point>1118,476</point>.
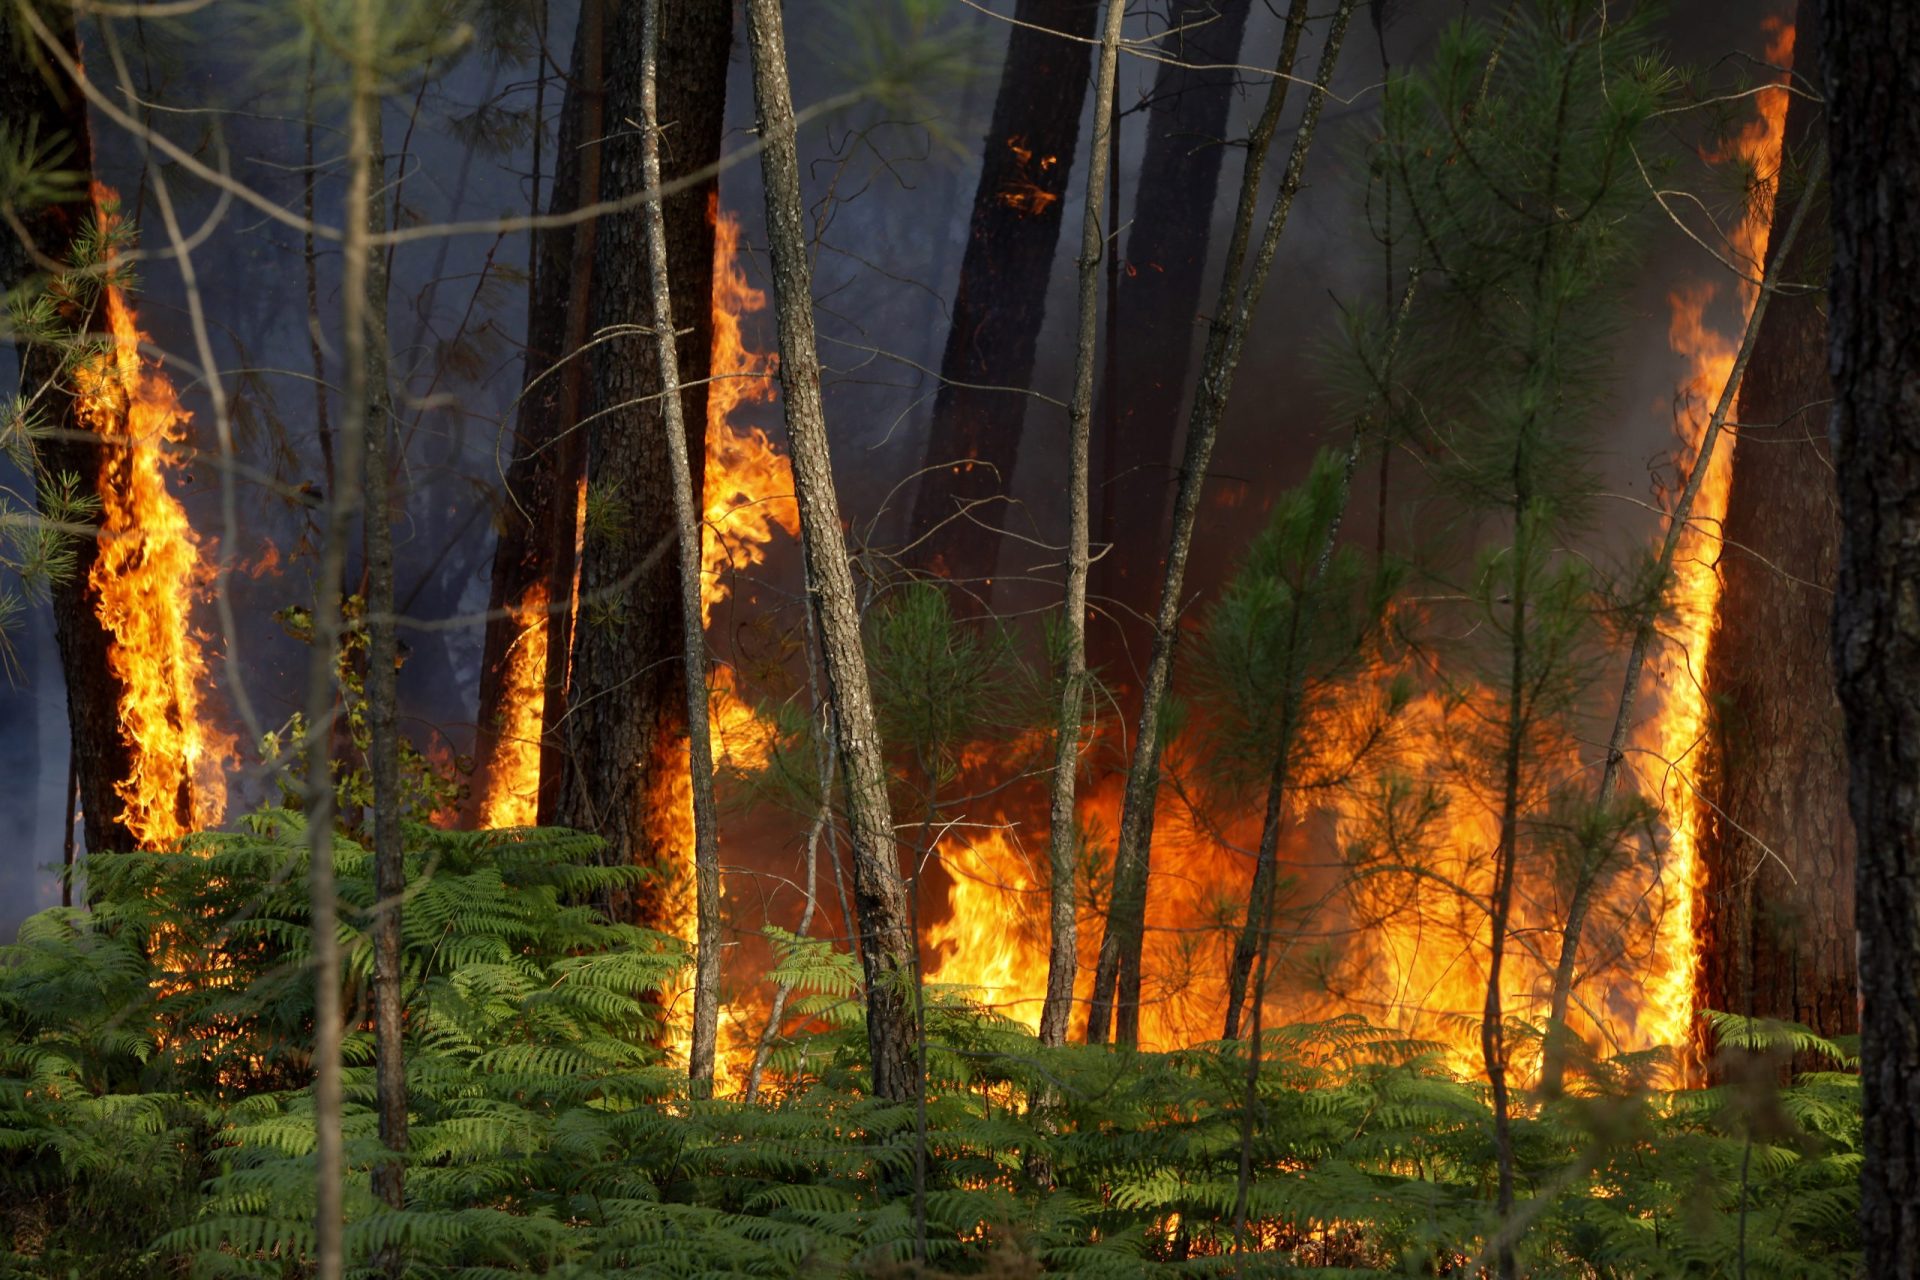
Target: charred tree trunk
<point>974,440</point>
<point>38,102</point>
<point>538,508</point>
<point>887,951</point>
<point>1159,293</point>
<point>1872,63</point>
<point>1778,848</point>
<point>626,721</point>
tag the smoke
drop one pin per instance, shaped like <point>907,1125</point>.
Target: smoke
<point>891,209</point>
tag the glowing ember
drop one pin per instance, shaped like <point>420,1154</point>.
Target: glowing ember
<point>1028,194</point>
<point>513,781</point>
<point>148,574</point>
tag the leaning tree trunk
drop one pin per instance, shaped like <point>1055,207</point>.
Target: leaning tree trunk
<point>526,617</point>
<point>36,101</point>
<point>1872,63</point>
<point>886,937</point>
<point>974,439</point>
<point>1159,294</point>
<point>626,721</point>
<point>1777,845</point>
<point>1117,975</point>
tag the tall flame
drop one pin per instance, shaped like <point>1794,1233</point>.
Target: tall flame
<point>146,578</point>
<point>1674,736</point>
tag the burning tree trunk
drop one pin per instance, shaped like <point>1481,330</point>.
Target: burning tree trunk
<point>1159,293</point>
<point>1777,842</point>
<point>1870,52</point>
<point>626,722</point>
<point>1116,989</point>
<point>38,103</point>
<point>886,939</point>
<point>520,690</point>
<point>687,524</point>
<point>974,439</point>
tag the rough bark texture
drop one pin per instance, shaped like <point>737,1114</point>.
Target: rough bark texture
<point>36,101</point>
<point>880,896</point>
<point>1160,288</point>
<point>693,639</point>
<point>626,720</point>
<point>536,512</point>
<point>1777,845</point>
<point>974,440</point>
<point>1872,54</point>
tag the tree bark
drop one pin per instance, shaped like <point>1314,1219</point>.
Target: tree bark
<point>973,442</point>
<point>886,939</point>
<point>383,729</point>
<point>37,101</point>
<point>1777,848</point>
<point>1063,834</point>
<point>626,713</point>
<point>538,508</point>
<point>1872,63</point>
<point>1160,289</point>
<point>693,640</point>
<point>1116,989</point>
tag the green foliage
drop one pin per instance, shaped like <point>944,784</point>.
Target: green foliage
<point>155,1119</point>
<point>1285,656</point>
<point>426,788</point>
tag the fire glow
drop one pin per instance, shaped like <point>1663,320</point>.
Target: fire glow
<point>148,574</point>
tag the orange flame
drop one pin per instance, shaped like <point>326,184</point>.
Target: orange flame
<point>147,576</point>
<point>1674,736</point>
<point>513,781</point>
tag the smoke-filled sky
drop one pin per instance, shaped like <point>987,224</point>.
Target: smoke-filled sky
<point>886,267</point>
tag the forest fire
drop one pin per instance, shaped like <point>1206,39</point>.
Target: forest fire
<point>1673,737</point>
<point>512,796</point>
<point>1028,194</point>
<point>147,577</point>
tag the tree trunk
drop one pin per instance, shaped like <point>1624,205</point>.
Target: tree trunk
<point>37,101</point>
<point>1116,989</point>
<point>693,640</point>
<point>383,697</point>
<point>1777,848</point>
<point>626,720</point>
<point>1872,63</point>
<point>539,505</point>
<point>1160,288</point>
<point>1062,828</point>
<point>974,439</point>
<point>886,940</point>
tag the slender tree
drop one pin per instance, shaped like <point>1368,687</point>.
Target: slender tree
<point>1062,824</point>
<point>1116,984</point>
<point>1013,232</point>
<point>359,259</point>
<point>706,842</point>
<point>383,697</point>
<point>626,706</point>
<point>886,937</point>
<point>1872,64</point>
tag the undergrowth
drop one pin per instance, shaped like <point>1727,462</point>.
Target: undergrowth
<point>155,1118</point>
